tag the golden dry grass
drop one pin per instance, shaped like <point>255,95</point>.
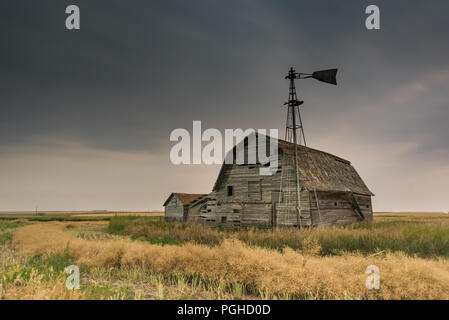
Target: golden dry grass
<point>35,288</point>
<point>411,214</point>
<point>288,273</point>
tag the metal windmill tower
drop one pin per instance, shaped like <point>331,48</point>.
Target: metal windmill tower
<point>294,121</point>
<point>294,133</point>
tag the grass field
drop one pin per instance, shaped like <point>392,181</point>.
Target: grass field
<point>73,215</point>
<point>120,214</point>
<point>59,215</point>
<point>425,235</point>
<point>142,257</point>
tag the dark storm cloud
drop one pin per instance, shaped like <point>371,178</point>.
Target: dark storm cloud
<point>133,68</point>
<point>139,69</point>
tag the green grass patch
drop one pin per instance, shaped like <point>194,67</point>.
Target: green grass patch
<point>427,238</point>
<point>52,267</point>
<point>57,218</point>
<point>6,230</point>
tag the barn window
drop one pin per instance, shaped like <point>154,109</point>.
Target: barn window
<point>230,191</point>
<point>236,210</point>
<point>335,204</point>
<point>223,219</point>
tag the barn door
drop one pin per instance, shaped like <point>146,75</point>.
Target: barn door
<point>356,207</point>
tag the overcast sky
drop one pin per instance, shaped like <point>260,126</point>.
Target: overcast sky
<point>85,116</point>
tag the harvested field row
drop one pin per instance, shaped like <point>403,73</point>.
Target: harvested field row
<point>288,273</point>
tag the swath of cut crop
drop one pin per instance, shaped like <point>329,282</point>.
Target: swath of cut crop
<point>288,272</point>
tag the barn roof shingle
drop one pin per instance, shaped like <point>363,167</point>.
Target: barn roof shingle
<point>185,198</point>
<point>322,171</point>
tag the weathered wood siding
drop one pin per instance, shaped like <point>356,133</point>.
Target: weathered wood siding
<point>231,214</point>
<point>251,201</point>
<point>285,212</point>
<point>174,210</point>
<point>336,208</point>
<point>255,198</point>
<point>365,205</point>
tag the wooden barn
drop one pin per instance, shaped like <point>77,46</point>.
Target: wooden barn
<point>177,205</point>
<point>331,192</point>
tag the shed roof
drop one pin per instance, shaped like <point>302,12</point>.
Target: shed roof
<point>185,198</point>
<point>319,170</point>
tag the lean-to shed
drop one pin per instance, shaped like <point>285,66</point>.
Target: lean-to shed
<point>177,205</point>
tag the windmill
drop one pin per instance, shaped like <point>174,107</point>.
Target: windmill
<point>293,127</point>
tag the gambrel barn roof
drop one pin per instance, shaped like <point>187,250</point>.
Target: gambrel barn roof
<point>322,171</point>
<point>185,198</point>
<point>318,170</point>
